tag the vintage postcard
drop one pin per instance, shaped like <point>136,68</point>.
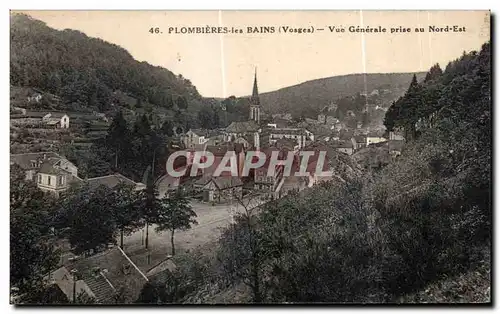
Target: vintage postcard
<point>250,157</point>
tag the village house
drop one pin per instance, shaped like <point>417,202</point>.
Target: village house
<point>201,136</point>
<point>346,147</point>
<point>269,183</point>
<point>112,180</point>
<point>373,138</point>
<point>219,152</point>
<point>301,135</point>
<point>248,129</point>
<point>396,135</point>
<point>360,141</point>
<point>279,123</point>
<point>219,189</point>
<point>109,277</point>
<point>51,172</point>
<point>283,116</point>
<point>162,271</point>
<point>246,140</point>
<point>395,147</point>
<point>53,178</point>
<point>56,119</point>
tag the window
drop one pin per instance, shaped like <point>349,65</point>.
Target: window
<point>39,178</point>
<point>48,180</point>
<point>61,180</point>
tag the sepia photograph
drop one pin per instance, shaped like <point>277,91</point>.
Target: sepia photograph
<point>250,157</point>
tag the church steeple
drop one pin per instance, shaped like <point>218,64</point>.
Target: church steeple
<point>255,93</point>
<point>254,101</point>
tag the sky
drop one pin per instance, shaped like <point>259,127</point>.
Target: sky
<point>221,65</point>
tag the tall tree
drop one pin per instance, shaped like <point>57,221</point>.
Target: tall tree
<point>31,252</point>
<point>175,213</point>
<point>126,215</point>
<point>182,103</point>
<point>86,218</point>
<point>167,128</point>
<point>142,127</point>
<point>148,204</point>
<point>243,249</point>
<point>205,118</point>
<point>434,72</point>
<point>118,138</point>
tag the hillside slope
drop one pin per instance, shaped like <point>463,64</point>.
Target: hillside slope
<point>314,95</point>
<point>86,71</point>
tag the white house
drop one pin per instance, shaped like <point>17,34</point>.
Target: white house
<point>57,119</point>
<point>373,139</point>
<point>51,172</point>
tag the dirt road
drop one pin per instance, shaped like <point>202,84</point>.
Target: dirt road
<point>211,218</point>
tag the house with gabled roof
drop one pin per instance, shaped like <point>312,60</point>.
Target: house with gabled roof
<point>195,137</point>
<point>113,180</point>
<point>51,172</point>
<point>56,119</point>
<point>219,189</point>
<point>109,277</point>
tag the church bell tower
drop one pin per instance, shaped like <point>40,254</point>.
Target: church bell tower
<point>254,101</point>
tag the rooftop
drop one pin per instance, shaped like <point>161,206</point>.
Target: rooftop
<point>24,160</point>
<point>242,127</point>
<point>57,115</point>
<point>110,273</point>
<point>220,182</point>
<point>49,166</point>
<point>112,180</point>
<point>291,131</point>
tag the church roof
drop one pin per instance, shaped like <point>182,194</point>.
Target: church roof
<point>242,127</point>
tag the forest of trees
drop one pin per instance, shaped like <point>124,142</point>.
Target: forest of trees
<point>86,71</point>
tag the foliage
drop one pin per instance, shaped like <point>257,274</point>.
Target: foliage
<point>88,70</point>
<point>153,293</point>
<point>174,213</point>
<point>31,253</point>
<point>308,98</point>
<point>377,238</point>
<point>126,215</point>
<point>86,218</point>
<point>190,278</point>
<point>465,81</point>
<point>208,118</point>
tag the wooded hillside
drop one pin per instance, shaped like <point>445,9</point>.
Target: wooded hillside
<point>87,71</point>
